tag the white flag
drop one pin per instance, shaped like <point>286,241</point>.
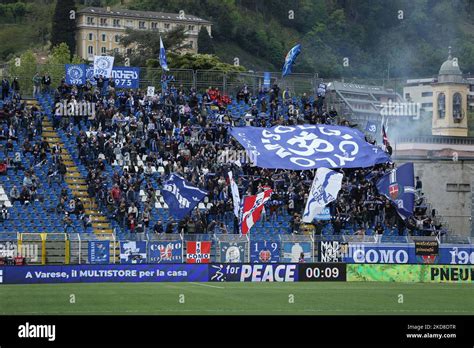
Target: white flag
<point>103,66</point>
<point>324,190</point>
<point>235,195</point>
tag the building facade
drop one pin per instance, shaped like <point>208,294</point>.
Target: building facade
<point>99,29</point>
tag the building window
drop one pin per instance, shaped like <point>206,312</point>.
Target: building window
<point>91,36</point>
<point>167,25</point>
<point>191,44</point>
<point>103,22</point>
<point>117,38</point>
<point>426,94</point>
<point>103,50</point>
<point>116,50</point>
<point>129,51</point>
<point>154,25</point>
<point>141,25</point>
<point>90,50</point>
<point>441,105</point>
<point>116,23</point>
<point>457,107</point>
<point>104,37</point>
<point>191,27</point>
<point>454,187</point>
<point>90,20</point>
<point>426,105</point>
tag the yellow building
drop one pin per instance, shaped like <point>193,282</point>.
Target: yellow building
<point>450,94</point>
<point>99,29</point>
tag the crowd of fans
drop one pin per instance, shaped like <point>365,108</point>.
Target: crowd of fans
<point>183,131</point>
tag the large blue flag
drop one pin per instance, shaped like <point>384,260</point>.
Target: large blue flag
<point>163,62</point>
<point>308,146</point>
<point>399,187</point>
<point>290,59</point>
<point>180,196</point>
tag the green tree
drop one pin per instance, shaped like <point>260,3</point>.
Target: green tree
<point>205,43</point>
<point>63,29</point>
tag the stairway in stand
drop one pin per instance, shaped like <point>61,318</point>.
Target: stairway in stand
<point>77,184</point>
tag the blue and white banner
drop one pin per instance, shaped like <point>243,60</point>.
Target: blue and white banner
<point>103,274</point>
<point>253,273</point>
<point>325,214</point>
<point>262,251</point>
<point>266,80</point>
<point>133,252</point>
<point>292,251</point>
<point>324,190</point>
<point>380,253</point>
<point>235,195</point>
<point>233,252</point>
<point>399,187</point>
<point>180,196</point>
<point>103,66</point>
<point>99,251</point>
<point>456,255</point>
<point>308,146</point>
<point>290,59</point>
<point>126,77</point>
<point>75,74</point>
<point>165,252</point>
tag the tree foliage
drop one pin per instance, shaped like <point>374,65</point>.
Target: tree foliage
<point>205,43</point>
<point>64,27</point>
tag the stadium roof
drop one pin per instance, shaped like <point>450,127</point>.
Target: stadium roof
<point>142,14</point>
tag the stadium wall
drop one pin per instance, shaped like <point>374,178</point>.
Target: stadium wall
<point>447,185</point>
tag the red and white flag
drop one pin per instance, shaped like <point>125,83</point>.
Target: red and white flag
<point>198,252</point>
<point>252,209</point>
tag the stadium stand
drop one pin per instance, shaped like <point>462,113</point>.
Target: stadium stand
<point>102,175</point>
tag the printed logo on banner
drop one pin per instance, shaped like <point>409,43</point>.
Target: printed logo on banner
<point>132,252</point>
<point>75,74</point>
<point>99,252</point>
<point>165,252</point>
<point>198,252</point>
<point>103,65</point>
<point>233,252</point>
<point>292,251</point>
<point>264,252</point>
<point>253,273</point>
<point>332,251</point>
<point>150,91</point>
<point>126,77</point>
<point>90,75</point>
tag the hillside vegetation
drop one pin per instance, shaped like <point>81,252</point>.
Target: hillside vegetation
<point>375,38</point>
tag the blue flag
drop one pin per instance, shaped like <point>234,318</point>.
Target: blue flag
<point>290,59</point>
<point>181,196</point>
<point>371,127</point>
<point>308,146</point>
<point>163,62</point>
<point>398,186</point>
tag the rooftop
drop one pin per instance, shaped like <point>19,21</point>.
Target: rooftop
<point>142,14</point>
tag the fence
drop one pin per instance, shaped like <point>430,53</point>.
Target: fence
<point>228,83</point>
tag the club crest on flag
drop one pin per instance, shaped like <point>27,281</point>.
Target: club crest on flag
<point>393,190</point>
<point>265,255</point>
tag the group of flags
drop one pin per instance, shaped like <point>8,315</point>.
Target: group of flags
<point>398,186</point>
